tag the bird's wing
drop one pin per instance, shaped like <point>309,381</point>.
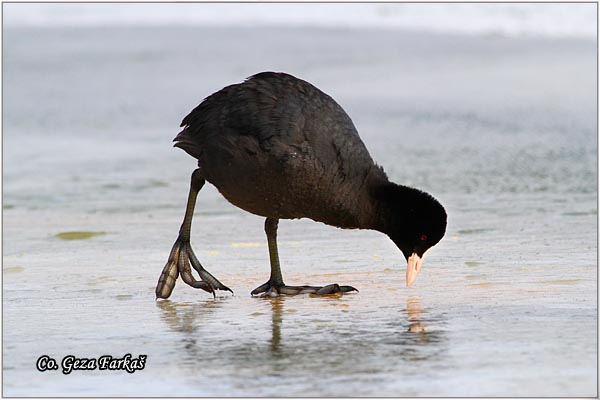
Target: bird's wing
<point>284,115</point>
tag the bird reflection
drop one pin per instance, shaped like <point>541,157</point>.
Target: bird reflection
<point>265,342</point>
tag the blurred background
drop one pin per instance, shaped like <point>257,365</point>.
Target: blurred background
<point>559,19</point>
<point>491,108</point>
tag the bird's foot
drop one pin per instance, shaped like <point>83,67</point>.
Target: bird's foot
<point>270,289</point>
<point>178,264</point>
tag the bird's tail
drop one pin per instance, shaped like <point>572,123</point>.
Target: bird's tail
<point>184,140</point>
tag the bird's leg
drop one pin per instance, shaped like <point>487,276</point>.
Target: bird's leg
<point>182,255</point>
<point>271,231</point>
<point>275,286</point>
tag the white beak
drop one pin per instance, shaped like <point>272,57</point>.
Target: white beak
<point>414,266</point>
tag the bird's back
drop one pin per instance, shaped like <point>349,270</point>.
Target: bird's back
<point>277,146</point>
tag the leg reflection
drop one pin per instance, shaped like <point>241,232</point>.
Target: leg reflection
<point>276,321</point>
<point>187,319</point>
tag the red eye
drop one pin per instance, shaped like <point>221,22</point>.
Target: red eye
<point>423,237</point>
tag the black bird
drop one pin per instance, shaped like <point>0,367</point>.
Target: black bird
<point>276,146</point>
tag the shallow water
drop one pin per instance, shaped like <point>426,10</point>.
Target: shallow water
<point>501,130</point>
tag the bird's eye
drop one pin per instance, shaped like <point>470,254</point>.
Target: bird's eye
<point>423,237</point>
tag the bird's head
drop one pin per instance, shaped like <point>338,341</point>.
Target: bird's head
<point>415,222</point>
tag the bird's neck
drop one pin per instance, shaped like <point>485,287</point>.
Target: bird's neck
<point>394,203</point>
<point>377,204</point>
<point>359,210</point>
<point>367,207</point>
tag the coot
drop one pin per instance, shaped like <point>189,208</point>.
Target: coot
<point>276,146</point>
